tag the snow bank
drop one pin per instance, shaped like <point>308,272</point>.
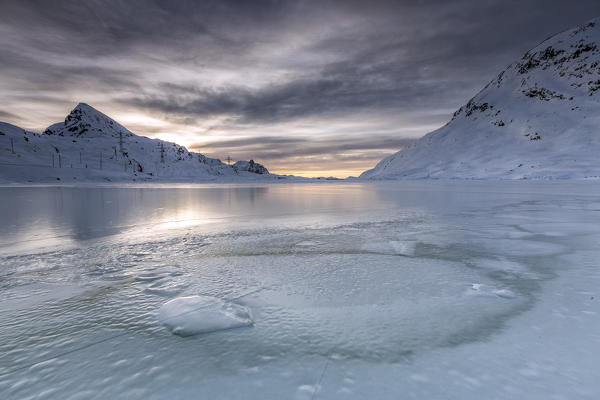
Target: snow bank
<point>185,316</point>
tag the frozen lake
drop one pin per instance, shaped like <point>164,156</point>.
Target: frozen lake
<point>425,290</point>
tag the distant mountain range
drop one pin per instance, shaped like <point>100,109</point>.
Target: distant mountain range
<point>90,146</point>
<point>538,119</point>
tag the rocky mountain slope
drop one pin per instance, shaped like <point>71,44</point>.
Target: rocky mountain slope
<point>538,119</point>
<point>90,146</point>
<point>250,166</point>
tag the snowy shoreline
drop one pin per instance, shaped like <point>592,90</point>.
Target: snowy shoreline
<point>294,181</point>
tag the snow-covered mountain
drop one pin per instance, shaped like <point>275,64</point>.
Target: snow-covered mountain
<point>250,166</point>
<point>539,119</point>
<point>90,146</point>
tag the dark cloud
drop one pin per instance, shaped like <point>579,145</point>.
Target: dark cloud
<point>307,68</point>
<point>284,154</point>
<point>5,116</point>
<point>273,148</point>
<point>415,53</point>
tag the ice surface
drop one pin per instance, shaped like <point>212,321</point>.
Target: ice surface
<point>368,290</point>
<point>191,315</point>
<point>391,247</point>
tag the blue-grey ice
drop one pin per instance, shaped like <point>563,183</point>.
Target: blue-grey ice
<point>416,290</point>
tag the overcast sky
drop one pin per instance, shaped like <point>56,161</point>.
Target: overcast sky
<point>311,88</point>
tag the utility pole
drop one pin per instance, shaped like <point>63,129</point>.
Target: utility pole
<point>162,153</point>
<point>52,160</point>
<point>228,160</point>
<point>59,161</point>
<point>12,146</point>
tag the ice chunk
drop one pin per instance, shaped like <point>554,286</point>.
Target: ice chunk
<point>185,316</point>
<point>307,243</point>
<point>480,289</point>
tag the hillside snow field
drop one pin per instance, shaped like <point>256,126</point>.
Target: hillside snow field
<point>90,146</point>
<point>539,119</point>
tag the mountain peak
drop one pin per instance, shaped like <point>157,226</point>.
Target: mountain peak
<point>86,111</point>
<point>84,107</point>
<point>86,120</point>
